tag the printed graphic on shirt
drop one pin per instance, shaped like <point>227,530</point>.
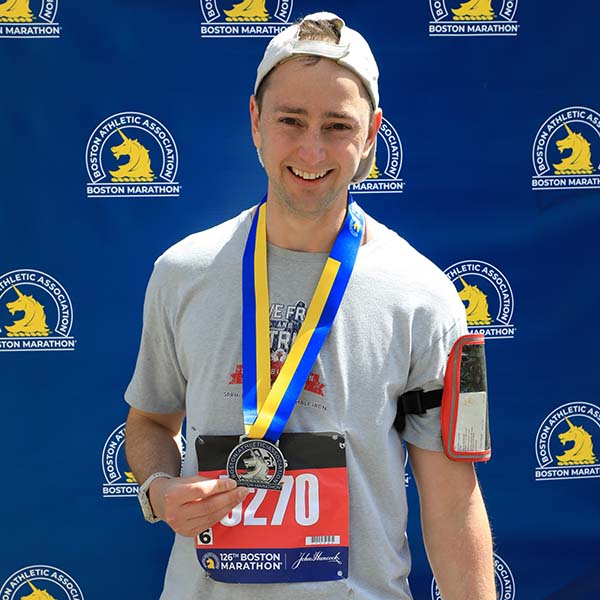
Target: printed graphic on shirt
<point>567,444</point>
<point>131,154</point>
<point>247,18</point>
<point>505,582</point>
<point>119,481</point>
<point>286,322</point>
<point>35,312</point>
<point>384,177</point>
<point>40,582</point>
<point>488,298</point>
<point>566,151</point>
<point>29,19</point>
<point>473,18</point>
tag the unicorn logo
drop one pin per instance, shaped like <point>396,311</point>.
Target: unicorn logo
<point>138,168</point>
<point>474,10</point>
<point>256,466</point>
<point>15,11</point>
<point>374,173</point>
<point>477,307</point>
<point>582,451</point>
<point>37,594</point>
<point>248,10</point>
<point>579,161</point>
<point>33,324</point>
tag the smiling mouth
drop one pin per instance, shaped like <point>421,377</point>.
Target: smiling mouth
<point>306,175</point>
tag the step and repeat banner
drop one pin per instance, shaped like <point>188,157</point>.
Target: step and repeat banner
<point>124,127</point>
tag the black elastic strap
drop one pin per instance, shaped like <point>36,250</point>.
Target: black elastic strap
<point>416,402</point>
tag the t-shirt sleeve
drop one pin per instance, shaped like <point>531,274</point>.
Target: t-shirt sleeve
<point>158,384</point>
<point>427,373</point>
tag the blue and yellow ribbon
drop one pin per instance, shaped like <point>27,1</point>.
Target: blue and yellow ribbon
<point>267,409</point>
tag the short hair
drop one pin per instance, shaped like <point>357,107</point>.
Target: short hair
<point>323,30</point>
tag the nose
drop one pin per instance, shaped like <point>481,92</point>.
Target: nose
<point>312,150</point>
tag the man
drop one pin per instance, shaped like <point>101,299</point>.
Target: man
<point>314,116</point>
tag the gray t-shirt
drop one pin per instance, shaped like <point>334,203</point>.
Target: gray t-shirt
<point>397,321</point>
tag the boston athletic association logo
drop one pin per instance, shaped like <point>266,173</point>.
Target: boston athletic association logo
<point>488,297</point>
<point>384,177</point>
<point>566,151</point>
<point>505,582</point>
<point>567,444</point>
<point>247,18</point>
<point>35,312</point>
<point>119,481</point>
<point>40,582</point>
<point>29,19</point>
<point>473,18</point>
<point>131,154</point>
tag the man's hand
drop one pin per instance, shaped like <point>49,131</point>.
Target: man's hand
<point>189,505</point>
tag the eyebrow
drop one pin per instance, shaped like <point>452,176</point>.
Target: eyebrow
<point>332,114</point>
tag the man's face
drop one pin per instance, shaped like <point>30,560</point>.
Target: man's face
<point>312,132</point>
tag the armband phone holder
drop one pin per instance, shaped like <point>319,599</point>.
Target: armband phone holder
<point>464,414</point>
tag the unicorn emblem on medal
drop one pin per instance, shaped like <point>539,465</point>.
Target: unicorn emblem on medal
<point>257,463</point>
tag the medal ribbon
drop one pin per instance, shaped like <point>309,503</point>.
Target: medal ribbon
<point>267,409</point>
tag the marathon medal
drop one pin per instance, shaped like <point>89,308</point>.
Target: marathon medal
<point>256,464</point>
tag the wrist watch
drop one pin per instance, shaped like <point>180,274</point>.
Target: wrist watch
<point>145,499</point>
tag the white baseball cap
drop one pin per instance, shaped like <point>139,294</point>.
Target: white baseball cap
<point>352,52</point>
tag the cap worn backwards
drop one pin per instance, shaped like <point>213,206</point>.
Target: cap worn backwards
<point>352,52</point>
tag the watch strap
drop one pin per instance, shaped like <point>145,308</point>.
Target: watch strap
<point>144,498</point>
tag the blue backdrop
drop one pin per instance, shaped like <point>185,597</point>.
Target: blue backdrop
<point>478,104</point>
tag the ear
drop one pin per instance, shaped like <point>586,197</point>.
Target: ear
<point>255,123</point>
<point>372,133</point>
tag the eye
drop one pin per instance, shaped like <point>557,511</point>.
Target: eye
<point>288,121</point>
<point>340,126</point>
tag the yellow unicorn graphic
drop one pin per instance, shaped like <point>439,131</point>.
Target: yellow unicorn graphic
<point>130,477</point>
<point>37,594</point>
<point>580,160</point>
<point>477,309</point>
<point>474,10</point>
<point>374,173</point>
<point>138,168</point>
<point>582,451</point>
<point>248,10</point>
<point>33,324</point>
<point>15,11</point>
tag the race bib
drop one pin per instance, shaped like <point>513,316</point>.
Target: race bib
<point>298,533</point>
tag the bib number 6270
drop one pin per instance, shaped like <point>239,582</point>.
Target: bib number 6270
<point>305,490</point>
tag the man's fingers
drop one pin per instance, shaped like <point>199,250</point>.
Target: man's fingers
<point>195,516</point>
<point>198,488</point>
<point>215,504</point>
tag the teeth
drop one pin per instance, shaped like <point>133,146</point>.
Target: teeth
<point>306,175</point>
